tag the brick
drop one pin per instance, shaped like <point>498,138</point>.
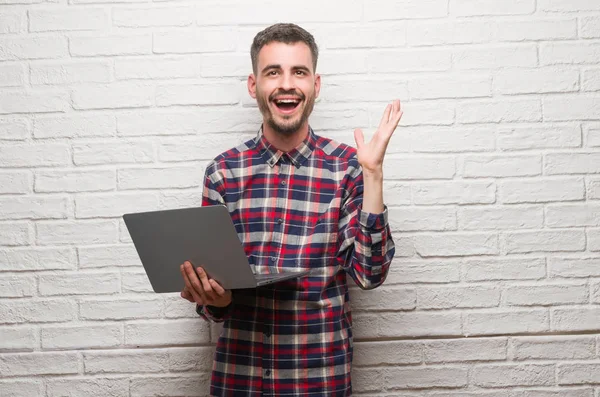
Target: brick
<point>221,93</point>
<point>421,113</point>
<point>422,219</point>
<point>575,319</point>
<point>152,16</point>
<point>573,215</point>
<point>553,348</point>
<point>81,337</point>
<point>569,53</point>
<point>460,350</point>
<point>17,182</point>
<point>571,108</point>
<point>138,361</point>
<point>122,151</point>
<point>495,57</point>
<point>195,385</point>
<point>198,41</point>
<point>578,373</point>
<point>442,32</point>
<point>495,111</point>
<point>135,282</point>
<point>592,133</point>
<point>74,181</point>
<point>546,295</point>
<point>346,62</point>
<point>172,332</point>
<point>567,5</point>
<point>545,241</point>
<point>17,338</point>
<point>500,217</point>
<point>589,27</point>
<point>22,388</point>
<point>456,244</point>
<point>536,81</point>
<point>503,322</point>
<point>78,283</point>
<point>513,375</point>
<point>109,387</point>
<point>224,65</point>
<point>17,286</point>
<point>571,163</point>
<point>467,8</point>
<point>593,239</point>
<point>541,190</point>
<point>359,89</point>
<point>567,392</point>
<point>574,267</point>
<point>108,255</point>
<point>113,96</point>
<point>425,377</point>
<point>35,155</point>
<point>204,147</point>
<point>413,60</point>
<point>391,298</point>
<point>190,359</point>
<point>593,189</point>
<point>14,234</point>
<point>387,353</point>
<point>439,167</point>
<point>157,68</point>
<point>176,307</point>
<point>391,34</point>
<point>14,130</point>
<point>525,137</point>
<point>27,364</point>
<point>504,269</point>
<point>451,86</point>
<point>426,272</point>
<point>438,193</point>
<point>595,288</point>
<point>70,73</point>
<point>17,101</point>
<point>451,139</point>
<point>19,259</point>
<point>367,379</point>
<point>328,116</point>
<point>75,126</point>
<point>502,166</point>
<point>406,9</point>
<point>71,18</point>
<point>120,309</point>
<point>199,121</point>
<point>457,297</point>
<point>591,80</point>
<point>12,48</point>
<point>13,22</point>
<point>114,205</point>
<point>537,29</point>
<point>12,75</point>
<point>131,44</point>
<point>80,232</point>
<point>36,311</point>
<point>33,207</point>
<point>409,324</point>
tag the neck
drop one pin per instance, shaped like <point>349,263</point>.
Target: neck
<point>285,143</point>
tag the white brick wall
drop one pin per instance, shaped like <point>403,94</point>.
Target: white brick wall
<point>493,184</point>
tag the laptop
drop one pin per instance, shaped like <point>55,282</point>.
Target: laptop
<point>206,237</point>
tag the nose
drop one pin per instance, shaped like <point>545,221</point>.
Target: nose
<point>287,81</point>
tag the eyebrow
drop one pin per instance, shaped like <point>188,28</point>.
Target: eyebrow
<point>277,66</point>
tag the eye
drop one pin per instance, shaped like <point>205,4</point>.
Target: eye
<point>272,73</point>
<point>300,72</point>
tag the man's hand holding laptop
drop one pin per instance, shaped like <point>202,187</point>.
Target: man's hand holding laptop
<point>201,289</point>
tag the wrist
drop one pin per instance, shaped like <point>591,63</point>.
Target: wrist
<point>374,174</point>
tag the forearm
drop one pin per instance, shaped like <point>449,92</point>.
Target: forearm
<point>373,191</point>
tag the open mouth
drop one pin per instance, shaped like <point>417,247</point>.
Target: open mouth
<point>287,105</point>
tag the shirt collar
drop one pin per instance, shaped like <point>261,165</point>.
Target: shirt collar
<point>297,156</point>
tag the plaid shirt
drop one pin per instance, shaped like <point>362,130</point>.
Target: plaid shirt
<point>300,210</point>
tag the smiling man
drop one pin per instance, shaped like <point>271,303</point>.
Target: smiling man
<point>299,201</point>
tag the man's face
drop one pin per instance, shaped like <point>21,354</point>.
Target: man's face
<point>285,86</point>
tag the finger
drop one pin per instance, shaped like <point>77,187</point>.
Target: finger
<point>198,298</point>
<point>220,291</point>
<point>386,116</point>
<point>185,294</point>
<point>208,290</point>
<point>359,138</point>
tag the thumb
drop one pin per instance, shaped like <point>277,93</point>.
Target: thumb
<point>359,138</point>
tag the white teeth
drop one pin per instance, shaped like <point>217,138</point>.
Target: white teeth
<point>287,101</point>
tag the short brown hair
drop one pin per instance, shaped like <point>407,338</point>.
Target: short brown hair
<point>287,33</point>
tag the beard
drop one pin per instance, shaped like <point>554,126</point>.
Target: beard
<point>288,126</point>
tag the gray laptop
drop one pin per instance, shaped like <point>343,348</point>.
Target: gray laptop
<point>206,237</point>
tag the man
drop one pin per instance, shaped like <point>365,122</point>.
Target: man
<point>298,201</point>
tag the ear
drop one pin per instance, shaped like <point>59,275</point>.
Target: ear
<point>252,85</point>
<point>317,85</point>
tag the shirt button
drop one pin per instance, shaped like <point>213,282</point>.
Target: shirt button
<point>268,334</point>
<point>268,372</point>
<point>272,259</point>
<point>279,220</point>
<point>283,183</point>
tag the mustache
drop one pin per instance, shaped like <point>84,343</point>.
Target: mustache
<point>287,92</point>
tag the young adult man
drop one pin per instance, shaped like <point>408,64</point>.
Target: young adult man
<point>298,201</point>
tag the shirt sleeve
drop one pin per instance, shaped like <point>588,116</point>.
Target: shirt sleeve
<point>212,194</point>
<point>366,243</point>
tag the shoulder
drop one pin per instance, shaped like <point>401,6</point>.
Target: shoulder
<point>231,156</point>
